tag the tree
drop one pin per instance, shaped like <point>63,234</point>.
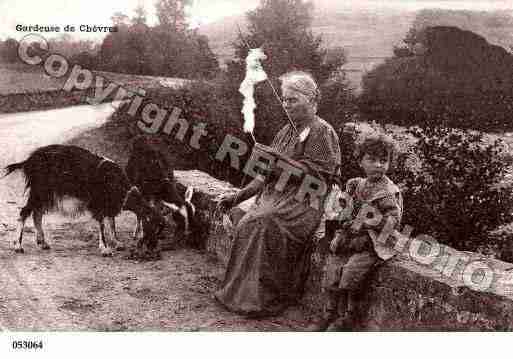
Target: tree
<point>283,29</point>
<point>137,49</point>
<point>2,49</point>
<point>495,26</point>
<point>160,51</point>
<point>84,59</point>
<point>10,50</point>
<point>140,17</point>
<point>209,65</point>
<point>120,20</point>
<point>113,55</point>
<point>67,46</point>
<point>454,78</point>
<point>171,14</point>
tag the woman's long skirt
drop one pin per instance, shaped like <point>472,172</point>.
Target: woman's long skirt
<point>270,256</point>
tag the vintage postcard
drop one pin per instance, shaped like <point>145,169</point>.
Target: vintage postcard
<point>255,166</point>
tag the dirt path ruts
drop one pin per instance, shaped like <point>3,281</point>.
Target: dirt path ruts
<point>71,287</point>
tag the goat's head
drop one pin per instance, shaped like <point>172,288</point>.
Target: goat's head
<point>135,202</point>
<point>187,211</point>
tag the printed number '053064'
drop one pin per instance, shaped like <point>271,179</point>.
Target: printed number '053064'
<point>27,344</point>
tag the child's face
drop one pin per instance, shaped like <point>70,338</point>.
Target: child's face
<point>375,166</point>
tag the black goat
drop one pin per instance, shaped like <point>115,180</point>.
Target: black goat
<point>72,180</point>
<point>150,171</point>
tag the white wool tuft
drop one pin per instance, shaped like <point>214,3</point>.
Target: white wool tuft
<point>254,74</point>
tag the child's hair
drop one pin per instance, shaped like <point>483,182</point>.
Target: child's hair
<point>379,145</point>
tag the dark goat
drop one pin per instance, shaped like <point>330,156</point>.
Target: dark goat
<point>72,180</point>
<point>150,171</point>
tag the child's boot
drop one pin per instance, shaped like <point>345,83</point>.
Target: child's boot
<point>346,322</point>
<point>329,315</point>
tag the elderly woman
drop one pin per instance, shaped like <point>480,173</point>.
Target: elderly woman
<point>268,260</point>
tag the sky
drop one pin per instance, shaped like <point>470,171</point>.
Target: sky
<point>77,12</point>
<point>98,12</point>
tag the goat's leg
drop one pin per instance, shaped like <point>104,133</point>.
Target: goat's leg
<point>37,216</point>
<point>19,233</point>
<point>104,248</point>
<point>138,229</point>
<point>111,221</point>
<point>24,214</point>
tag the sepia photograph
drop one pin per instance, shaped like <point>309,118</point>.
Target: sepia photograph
<point>173,166</point>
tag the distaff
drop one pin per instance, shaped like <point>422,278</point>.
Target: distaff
<point>282,157</point>
<point>255,74</point>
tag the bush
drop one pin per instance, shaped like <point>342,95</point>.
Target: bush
<point>338,108</point>
<point>157,51</point>
<point>84,59</point>
<point>9,51</point>
<point>200,103</point>
<point>349,134</point>
<point>218,104</point>
<point>452,78</point>
<point>454,191</point>
<point>338,102</point>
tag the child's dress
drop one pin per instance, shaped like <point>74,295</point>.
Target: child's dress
<point>357,254</point>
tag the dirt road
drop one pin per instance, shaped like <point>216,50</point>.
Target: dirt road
<point>72,287</point>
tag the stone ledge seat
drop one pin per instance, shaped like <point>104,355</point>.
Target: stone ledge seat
<point>403,294</point>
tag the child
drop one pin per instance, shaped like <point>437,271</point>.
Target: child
<point>354,253</point>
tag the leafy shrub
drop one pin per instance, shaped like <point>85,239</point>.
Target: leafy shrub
<point>200,103</point>
<point>218,104</point>
<point>451,78</point>
<point>349,134</point>
<point>84,59</point>
<point>157,51</point>
<point>454,192</point>
<point>338,101</point>
<point>9,51</point>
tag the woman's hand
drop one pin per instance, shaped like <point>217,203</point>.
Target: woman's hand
<point>339,241</point>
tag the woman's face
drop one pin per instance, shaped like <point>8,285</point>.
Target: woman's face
<point>297,105</point>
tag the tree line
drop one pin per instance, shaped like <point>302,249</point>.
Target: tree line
<point>169,48</point>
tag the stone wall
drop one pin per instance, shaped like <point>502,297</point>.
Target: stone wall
<point>403,294</point>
